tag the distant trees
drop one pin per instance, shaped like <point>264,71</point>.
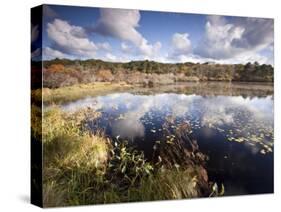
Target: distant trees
<point>67,72</point>
<point>254,72</point>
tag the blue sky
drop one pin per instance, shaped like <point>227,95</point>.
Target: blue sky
<point>125,35</point>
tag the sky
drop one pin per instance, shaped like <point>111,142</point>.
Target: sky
<point>122,35</point>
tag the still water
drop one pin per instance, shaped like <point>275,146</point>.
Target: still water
<point>232,123</point>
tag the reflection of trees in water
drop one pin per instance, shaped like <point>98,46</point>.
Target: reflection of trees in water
<point>212,88</point>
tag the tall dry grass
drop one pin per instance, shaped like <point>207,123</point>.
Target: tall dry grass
<point>81,167</point>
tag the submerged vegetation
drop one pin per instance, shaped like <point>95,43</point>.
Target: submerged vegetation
<point>85,167</point>
<point>64,72</point>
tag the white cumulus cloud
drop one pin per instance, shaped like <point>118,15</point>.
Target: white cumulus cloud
<point>181,48</point>
<point>123,24</point>
<point>70,39</point>
<point>238,41</point>
<point>181,43</point>
<point>217,41</point>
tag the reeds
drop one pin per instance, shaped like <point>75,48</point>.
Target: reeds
<point>84,167</point>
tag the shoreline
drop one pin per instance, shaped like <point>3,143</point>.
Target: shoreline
<point>75,92</point>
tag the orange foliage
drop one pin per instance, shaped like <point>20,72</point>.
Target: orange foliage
<point>104,75</point>
<point>56,68</point>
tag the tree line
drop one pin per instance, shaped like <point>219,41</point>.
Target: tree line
<point>63,72</point>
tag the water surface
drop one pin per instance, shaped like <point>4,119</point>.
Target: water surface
<point>232,123</point>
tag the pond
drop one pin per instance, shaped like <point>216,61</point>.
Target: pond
<point>232,122</point>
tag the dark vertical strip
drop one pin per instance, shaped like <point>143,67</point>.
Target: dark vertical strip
<point>36,106</point>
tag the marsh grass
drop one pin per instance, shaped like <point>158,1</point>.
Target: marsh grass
<point>167,184</point>
<point>72,156</point>
<point>82,167</point>
<point>75,92</point>
<point>36,122</point>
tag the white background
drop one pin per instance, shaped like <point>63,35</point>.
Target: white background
<point>15,95</point>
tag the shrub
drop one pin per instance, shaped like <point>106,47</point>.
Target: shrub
<point>56,67</point>
<point>104,76</point>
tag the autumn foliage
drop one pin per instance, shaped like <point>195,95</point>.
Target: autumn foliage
<point>56,68</point>
<point>59,73</point>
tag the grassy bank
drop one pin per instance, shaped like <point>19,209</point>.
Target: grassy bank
<point>75,92</point>
<point>82,167</point>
